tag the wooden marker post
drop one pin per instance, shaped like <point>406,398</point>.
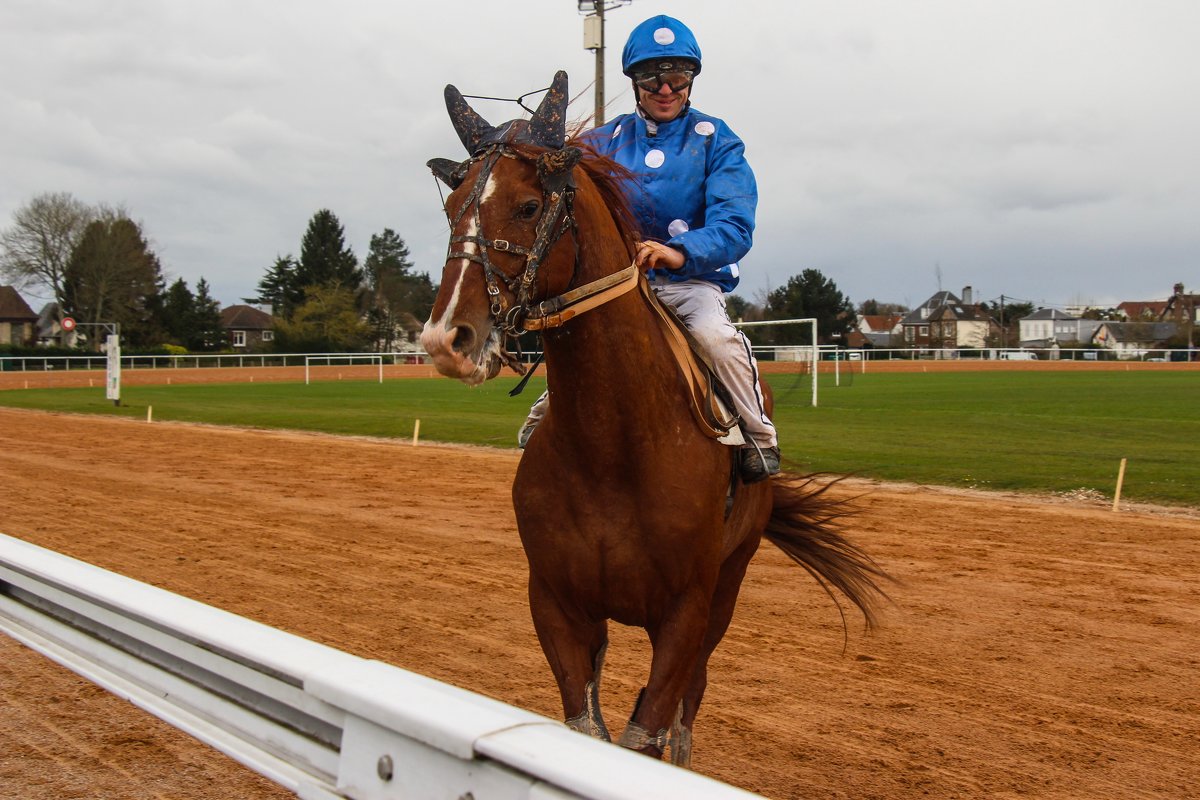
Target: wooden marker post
<point>1120,481</point>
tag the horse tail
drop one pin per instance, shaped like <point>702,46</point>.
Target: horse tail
<point>806,524</point>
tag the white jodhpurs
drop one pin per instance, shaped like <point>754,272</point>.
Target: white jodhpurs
<point>701,306</point>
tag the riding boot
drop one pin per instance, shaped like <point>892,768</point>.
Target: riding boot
<point>757,463</point>
<point>536,412</point>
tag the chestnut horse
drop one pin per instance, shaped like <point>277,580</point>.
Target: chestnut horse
<point>620,497</point>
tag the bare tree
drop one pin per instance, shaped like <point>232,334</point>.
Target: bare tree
<point>35,251</point>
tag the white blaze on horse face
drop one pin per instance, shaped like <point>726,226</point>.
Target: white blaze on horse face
<point>445,322</point>
<point>489,189</point>
<point>438,335</point>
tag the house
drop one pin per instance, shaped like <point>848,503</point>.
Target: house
<point>18,323</point>
<point>1133,339</point>
<point>1049,326</point>
<point>957,325</point>
<point>1183,311</point>
<point>1142,310</point>
<point>915,324</point>
<point>49,328</point>
<point>944,321</point>
<point>247,327</point>
<point>874,330</point>
<point>1181,307</point>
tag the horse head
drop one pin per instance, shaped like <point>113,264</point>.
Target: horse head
<point>511,202</point>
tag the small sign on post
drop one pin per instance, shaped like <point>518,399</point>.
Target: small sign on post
<point>113,375</point>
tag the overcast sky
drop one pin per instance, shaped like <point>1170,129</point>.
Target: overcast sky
<point>1046,150</point>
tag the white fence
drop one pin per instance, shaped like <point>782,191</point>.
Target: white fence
<point>762,352</point>
<point>194,361</point>
<point>321,723</point>
<point>348,359</point>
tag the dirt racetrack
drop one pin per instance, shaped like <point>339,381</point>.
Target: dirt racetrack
<point>1037,647</point>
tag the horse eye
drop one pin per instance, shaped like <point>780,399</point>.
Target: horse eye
<point>528,210</point>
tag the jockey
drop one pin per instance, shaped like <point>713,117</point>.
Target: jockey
<point>694,197</point>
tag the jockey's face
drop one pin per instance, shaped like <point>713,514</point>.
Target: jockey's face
<point>663,105</point>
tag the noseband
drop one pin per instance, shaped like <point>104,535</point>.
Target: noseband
<point>558,215</point>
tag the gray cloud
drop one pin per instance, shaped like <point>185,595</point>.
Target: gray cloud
<point>1039,150</point>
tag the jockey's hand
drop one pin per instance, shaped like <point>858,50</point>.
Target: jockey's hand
<point>656,255</point>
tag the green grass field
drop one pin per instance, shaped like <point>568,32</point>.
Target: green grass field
<point>1030,431</point>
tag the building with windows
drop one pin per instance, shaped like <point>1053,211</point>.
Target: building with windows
<point>248,328</point>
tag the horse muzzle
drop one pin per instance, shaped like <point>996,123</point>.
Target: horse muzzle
<point>459,351</point>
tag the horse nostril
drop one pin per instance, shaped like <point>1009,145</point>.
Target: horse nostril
<point>464,339</point>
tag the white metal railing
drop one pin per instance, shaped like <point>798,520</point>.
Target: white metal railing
<point>348,359</point>
<point>192,361</point>
<point>762,352</point>
<point>320,722</point>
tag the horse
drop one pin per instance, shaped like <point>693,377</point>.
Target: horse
<point>626,508</point>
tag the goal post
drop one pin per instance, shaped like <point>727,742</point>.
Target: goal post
<point>349,358</point>
<point>816,349</point>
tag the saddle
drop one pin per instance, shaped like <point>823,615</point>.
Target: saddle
<point>710,401</point>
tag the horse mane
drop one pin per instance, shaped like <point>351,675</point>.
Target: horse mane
<point>609,178</point>
<point>611,181</point>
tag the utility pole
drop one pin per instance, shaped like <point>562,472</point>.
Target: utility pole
<point>593,39</point>
<point>1003,332</point>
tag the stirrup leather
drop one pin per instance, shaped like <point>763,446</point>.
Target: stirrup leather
<point>711,408</point>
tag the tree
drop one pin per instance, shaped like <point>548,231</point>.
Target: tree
<point>1008,314</point>
<point>179,311</point>
<point>114,276</point>
<point>34,252</point>
<point>394,291</point>
<point>209,335</point>
<point>873,307</point>
<point>327,321</point>
<point>280,288</point>
<point>740,309</point>
<point>324,257</point>
<point>809,294</point>
<point>192,320</point>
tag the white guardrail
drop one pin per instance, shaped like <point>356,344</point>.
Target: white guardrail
<point>320,722</point>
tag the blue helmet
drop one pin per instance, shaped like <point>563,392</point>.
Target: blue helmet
<point>659,37</point>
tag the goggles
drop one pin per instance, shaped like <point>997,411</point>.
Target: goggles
<point>677,79</point>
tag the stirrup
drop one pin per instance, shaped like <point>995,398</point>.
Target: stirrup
<point>758,463</point>
<point>525,432</point>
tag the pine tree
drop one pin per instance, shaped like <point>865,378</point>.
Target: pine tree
<point>325,259</point>
<point>394,290</point>
<point>810,295</point>
<point>280,287</point>
<point>209,335</point>
<point>179,311</point>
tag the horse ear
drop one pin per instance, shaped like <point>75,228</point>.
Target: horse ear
<point>448,171</point>
<point>548,127</point>
<point>470,127</point>
<point>554,168</point>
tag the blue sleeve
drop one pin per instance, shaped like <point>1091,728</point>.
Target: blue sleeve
<point>731,197</point>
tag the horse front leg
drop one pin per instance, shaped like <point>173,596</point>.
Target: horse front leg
<point>575,651</point>
<point>729,584</point>
<point>677,641</point>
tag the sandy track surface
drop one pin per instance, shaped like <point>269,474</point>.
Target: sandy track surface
<point>1037,648</point>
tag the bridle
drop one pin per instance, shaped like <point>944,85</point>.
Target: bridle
<point>557,217</point>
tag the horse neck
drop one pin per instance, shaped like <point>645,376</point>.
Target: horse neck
<point>614,355</point>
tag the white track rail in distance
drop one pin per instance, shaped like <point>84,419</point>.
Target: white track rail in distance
<point>349,358</point>
<point>322,723</point>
